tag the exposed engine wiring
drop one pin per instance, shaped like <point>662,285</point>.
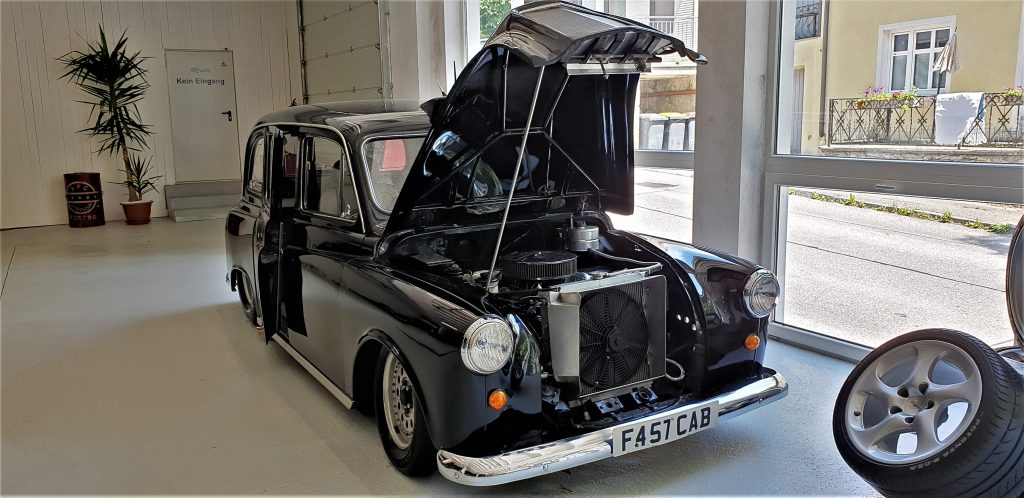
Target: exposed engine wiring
<point>682,373</point>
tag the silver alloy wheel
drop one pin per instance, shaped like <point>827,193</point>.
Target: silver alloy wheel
<point>399,403</point>
<point>924,392</point>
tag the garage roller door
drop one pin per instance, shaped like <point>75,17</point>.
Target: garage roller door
<point>341,48</point>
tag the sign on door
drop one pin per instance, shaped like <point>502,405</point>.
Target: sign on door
<point>204,128</point>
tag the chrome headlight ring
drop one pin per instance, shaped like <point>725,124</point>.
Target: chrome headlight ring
<point>761,293</point>
<point>487,345</point>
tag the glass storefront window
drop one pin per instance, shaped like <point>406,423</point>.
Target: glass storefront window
<point>662,204</point>
<point>923,81</point>
<point>665,114</point>
<point>866,267</point>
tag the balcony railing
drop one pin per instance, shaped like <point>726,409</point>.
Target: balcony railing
<point>892,122</point>
<point>684,28</point>
<point>808,19</point>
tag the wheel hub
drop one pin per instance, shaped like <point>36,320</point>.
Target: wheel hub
<point>399,403</point>
<point>898,409</point>
<point>915,405</point>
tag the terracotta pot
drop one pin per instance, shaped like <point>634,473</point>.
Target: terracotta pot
<point>137,213</point>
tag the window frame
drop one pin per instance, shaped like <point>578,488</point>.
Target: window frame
<point>885,54</point>
<point>982,182</point>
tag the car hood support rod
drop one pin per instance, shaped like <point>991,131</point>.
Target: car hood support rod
<point>515,177</point>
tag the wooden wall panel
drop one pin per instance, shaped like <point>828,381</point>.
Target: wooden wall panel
<point>40,116</point>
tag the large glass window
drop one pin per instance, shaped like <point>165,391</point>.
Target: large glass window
<point>662,204</point>
<point>932,88</point>
<point>664,117</point>
<point>866,267</point>
<point>665,107</point>
<point>903,219</point>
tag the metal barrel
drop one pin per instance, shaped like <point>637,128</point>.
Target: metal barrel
<point>84,194</point>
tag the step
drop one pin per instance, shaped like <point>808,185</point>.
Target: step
<point>196,214</point>
<point>200,201</point>
<point>204,188</point>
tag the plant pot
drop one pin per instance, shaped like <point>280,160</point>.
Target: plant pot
<point>137,212</point>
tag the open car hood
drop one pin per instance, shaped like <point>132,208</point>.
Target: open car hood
<point>579,152</point>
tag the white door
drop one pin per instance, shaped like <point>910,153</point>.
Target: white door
<point>204,120</point>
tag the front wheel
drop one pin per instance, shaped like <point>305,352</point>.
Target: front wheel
<point>400,421</point>
<point>933,413</point>
<point>246,299</point>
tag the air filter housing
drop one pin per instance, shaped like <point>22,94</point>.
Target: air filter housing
<point>538,266</point>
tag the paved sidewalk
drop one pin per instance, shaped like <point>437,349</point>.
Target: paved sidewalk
<point>989,214</point>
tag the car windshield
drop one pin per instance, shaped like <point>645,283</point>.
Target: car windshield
<point>387,163</point>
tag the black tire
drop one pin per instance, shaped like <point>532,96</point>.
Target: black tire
<point>244,297</point>
<point>419,457</point>
<point>987,459</point>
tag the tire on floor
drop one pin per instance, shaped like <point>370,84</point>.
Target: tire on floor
<point>934,413</point>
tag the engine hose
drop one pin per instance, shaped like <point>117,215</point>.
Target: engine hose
<point>682,373</point>
<point>622,259</point>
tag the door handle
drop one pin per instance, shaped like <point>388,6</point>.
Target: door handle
<point>228,114</point>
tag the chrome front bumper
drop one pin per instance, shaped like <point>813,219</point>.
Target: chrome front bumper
<point>591,447</point>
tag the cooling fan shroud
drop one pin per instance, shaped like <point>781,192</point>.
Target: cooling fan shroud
<point>614,339</point>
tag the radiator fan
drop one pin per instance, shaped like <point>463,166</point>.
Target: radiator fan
<point>613,339</point>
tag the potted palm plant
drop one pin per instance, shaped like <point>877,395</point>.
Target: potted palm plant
<point>115,82</point>
<point>138,180</point>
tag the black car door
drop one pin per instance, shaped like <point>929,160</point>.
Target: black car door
<point>241,223</point>
<point>323,236</point>
<point>279,205</point>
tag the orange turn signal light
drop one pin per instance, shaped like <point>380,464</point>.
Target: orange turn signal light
<point>497,399</point>
<point>752,342</point>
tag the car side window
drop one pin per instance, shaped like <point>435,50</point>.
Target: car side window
<point>257,152</point>
<point>286,166</point>
<point>388,163</point>
<point>328,185</point>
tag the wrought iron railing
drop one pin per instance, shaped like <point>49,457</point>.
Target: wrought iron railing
<point>912,122</point>
<point>1003,124</point>
<point>682,27</point>
<point>808,19</point>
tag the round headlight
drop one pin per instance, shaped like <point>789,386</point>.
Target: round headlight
<point>761,292</point>
<point>487,345</point>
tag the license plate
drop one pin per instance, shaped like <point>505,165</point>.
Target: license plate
<point>661,430</point>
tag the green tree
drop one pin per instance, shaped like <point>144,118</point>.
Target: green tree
<point>491,14</point>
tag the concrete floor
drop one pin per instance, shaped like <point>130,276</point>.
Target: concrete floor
<point>127,368</point>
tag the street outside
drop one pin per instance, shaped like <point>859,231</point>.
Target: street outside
<point>861,274</point>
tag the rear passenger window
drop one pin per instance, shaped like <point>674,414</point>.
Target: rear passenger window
<point>256,155</point>
<point>285,185</point>
<point>329,189</point>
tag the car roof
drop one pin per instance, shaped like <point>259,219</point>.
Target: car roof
<point>355,120</point>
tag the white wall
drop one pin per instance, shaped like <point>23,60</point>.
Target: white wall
<point>39,113</point>
<point>425,39</point>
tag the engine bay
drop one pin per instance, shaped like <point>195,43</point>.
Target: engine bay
<point>533,256</point>
<point>599,317</point>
